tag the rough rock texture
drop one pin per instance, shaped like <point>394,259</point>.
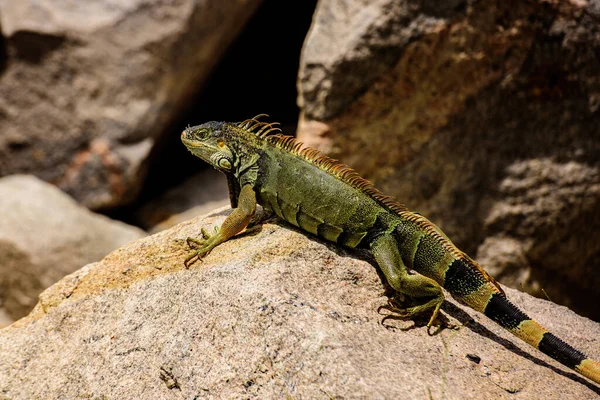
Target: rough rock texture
<point>483,116</point>
<point>19,283</point>
<point>270,314</point>
<point>45,235</point>
<point>86,90</point>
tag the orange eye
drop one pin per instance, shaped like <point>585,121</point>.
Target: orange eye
<point>220,143</point>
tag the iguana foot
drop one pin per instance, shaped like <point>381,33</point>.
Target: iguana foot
<point>400,312</point>
<point>201,247</point>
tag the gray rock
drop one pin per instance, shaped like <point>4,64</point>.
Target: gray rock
<point>269,314</point>
<point>486,121</point>
<point>546,219</point>
<point>19,283</point>
<point>45,235</point>
<point>350,43</point>
<point>86,90</point>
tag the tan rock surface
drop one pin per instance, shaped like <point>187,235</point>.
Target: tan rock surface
<point>270,314</point>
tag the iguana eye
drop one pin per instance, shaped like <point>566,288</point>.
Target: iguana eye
<point>203,134</point>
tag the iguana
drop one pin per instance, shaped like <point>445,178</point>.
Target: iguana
<point>330,200</point>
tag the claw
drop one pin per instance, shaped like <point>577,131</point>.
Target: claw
<point>434,315</point>
<point>194,241</point>
<point>385,319</point>
<point>206,235</point>
<point>398,311</point>
<point>190,259</point>
<point>196,255</point>
<point>438,330</point>
<point>200,247</point>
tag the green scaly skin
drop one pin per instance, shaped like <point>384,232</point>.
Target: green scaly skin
<point>329,200</point>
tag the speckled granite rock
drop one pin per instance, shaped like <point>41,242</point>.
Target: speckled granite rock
<point>270,314</point>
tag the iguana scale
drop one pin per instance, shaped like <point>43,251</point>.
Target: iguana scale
<point>330,200</point>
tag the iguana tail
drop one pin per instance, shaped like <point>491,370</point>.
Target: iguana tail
<point>429,252</point>
<point>489,299</point>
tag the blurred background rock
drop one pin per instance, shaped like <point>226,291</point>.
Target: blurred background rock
<point>483,116</point>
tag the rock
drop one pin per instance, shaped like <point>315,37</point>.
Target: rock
<point>86,90</point>
<point>547,213</point>
<point>507,261</point>
<point>349,45</point>
<point>45,235</point>
<point>269,314</point>
<point>482,116</point>
<point>19,283</point>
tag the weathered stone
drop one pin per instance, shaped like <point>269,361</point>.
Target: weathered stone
<point>270,314</point>
<point>472,94</point>
<point>86,90</point>
<point>45,235</point>
<point>19,283</point>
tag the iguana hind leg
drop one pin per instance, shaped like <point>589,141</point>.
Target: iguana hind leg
<point>233,224</point>
<point>417,287</point>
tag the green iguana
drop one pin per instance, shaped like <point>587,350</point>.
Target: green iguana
<point>330,200</point>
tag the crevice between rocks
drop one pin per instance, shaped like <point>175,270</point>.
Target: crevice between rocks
<point>256,75</point>
<point>3,53</point>
<point>32,47</point>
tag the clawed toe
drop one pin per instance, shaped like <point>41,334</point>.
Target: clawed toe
<point>206,235</point>
<point>400,312</point>
<point>192,258</point>
<point>201,247</point>
<point>194,243</point>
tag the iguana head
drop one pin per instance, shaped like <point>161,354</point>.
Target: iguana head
<point>231,147</point>
<point>209,141</point>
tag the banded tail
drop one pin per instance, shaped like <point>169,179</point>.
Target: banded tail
<point>491,301</point>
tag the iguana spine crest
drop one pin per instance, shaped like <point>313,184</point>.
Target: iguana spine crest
<point>315,157</point>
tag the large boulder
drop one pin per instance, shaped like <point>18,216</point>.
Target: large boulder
<point>19,283</point>
<point>45,235</point>
<point>269,314</point>
<point>481,115</point>
<point>87,88</point>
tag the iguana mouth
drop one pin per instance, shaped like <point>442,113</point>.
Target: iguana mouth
<point>188,142</point>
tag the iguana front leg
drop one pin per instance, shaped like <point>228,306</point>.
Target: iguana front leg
<point>385,251</point>
<point>233,224</point>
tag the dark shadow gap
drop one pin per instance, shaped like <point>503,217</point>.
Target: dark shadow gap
<point>256,75</point>
<point>3,53</point>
